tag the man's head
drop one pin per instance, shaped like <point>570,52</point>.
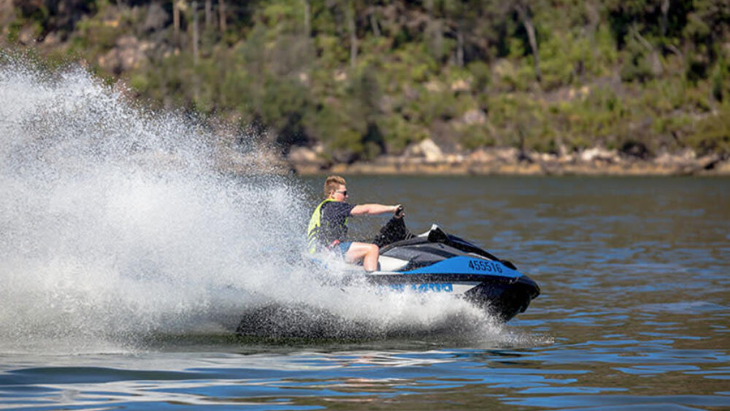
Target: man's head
<point>335,188</point>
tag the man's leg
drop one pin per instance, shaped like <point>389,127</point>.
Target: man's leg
<point>366,252</point>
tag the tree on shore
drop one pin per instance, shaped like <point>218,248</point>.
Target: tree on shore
<point>366,77</point>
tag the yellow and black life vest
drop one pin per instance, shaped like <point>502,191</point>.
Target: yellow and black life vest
<point>313,231</point>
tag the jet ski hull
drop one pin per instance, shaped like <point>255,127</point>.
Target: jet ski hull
<point>503,296</point>
<point>437,262</point>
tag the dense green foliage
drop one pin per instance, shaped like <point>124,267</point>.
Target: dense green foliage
<point>366,77</point>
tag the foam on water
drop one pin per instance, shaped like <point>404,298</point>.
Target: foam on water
<point>117,224</point>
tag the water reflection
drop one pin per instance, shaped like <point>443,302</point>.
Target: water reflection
<point>536,377</point>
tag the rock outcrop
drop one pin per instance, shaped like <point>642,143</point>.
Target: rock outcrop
<point>307,160</point>
<point>128,54</point>
<point>427,158</point>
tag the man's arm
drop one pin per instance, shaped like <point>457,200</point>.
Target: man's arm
<point>372,209</point>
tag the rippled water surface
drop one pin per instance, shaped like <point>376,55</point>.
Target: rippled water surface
<point>634,313</point>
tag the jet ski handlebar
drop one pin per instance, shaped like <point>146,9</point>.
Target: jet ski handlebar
<point>399,211</point>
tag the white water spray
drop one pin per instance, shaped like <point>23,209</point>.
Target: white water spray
<point>116,223</point>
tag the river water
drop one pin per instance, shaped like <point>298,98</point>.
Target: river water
<point>634,312</point>
<point>128,260</point>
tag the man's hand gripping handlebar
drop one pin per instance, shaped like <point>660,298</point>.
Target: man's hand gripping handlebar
<point>399,211</point>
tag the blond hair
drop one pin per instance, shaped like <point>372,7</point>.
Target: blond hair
<point>332,184</point>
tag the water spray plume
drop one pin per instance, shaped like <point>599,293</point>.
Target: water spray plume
<point>118,223</point>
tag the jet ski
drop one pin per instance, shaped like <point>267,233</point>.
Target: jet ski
<point>438,262</point>
<point>434,262</point>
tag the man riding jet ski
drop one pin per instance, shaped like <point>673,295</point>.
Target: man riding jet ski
<point>328,225</point>
<point>433,262</point>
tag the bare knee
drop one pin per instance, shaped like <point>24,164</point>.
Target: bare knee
<point>358,251</point>
<point>370,262</point>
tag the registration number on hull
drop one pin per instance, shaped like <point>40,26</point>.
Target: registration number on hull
<point>488,266</point>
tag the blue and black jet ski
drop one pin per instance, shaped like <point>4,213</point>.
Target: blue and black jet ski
<point>437,262</point>
<point>431,263</point>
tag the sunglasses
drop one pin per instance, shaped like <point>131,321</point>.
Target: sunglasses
<point>344,193</point>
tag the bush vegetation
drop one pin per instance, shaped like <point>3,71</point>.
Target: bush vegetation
<point>368,77</point>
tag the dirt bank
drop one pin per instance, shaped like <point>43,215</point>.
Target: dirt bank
<point>511,161</point>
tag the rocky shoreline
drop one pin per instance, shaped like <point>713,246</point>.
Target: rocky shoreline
<point>426,158</point>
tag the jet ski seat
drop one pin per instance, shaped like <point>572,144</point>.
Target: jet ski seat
<point>391,264</point>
